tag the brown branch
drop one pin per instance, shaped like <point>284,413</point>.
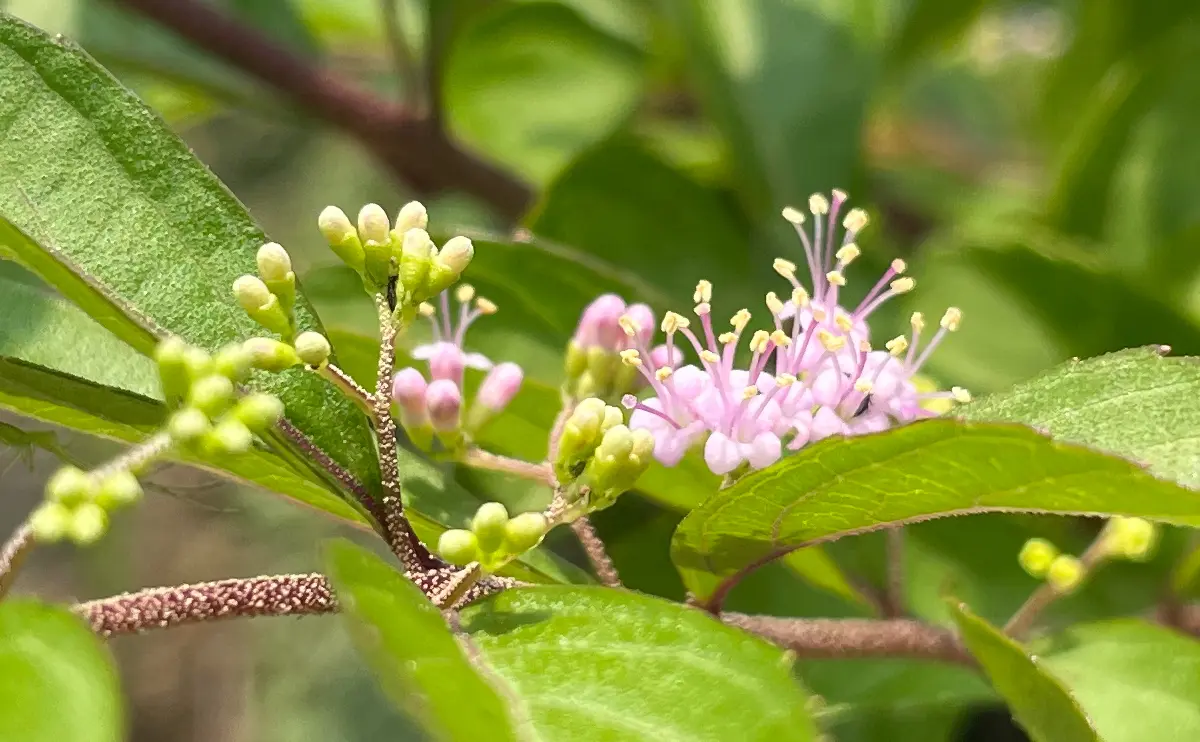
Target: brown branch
<point>830,638</point>
<point>12,553</point>
<point>414,148</point>
<point>602,564</point>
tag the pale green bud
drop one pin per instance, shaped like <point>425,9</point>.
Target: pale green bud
<point>171,356</point>
<point>271,355</point>
<point>459,547</point>
<point>275,267</point>
<point>412,216</point>
<point>87,524</point>
<point>251,293</point>
<point>49,522</point>
<point>579,438</point>
<point>233,362</point>
<point>1065,573</point>
<point>1036,557</point>
<point>118,490</point>
<point>524,532</point>
<point>258,412</point>
<point>1131,538</point>
<point>313,348</point>
<point>576,360</point>
<point>457,253</point>
<point>612,417</point>
<point>342,237</point>
<point>188,425</point>
<point>373,229</point>
<point>212,395</point>
<point>229,436</point>
<point>199,363</point>
<point>373,224</point>
<point>70,485</point>
<point>488,525</point>
<point>416,252</point>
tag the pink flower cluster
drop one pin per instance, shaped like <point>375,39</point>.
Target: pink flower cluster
<point>437,403</point>
<point>813,375</point>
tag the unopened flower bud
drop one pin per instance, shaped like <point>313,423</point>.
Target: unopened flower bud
<point>258,412</point>
<point>373,224</point>
<point>262,306</point>
<point>616,467</point>
<point>230,436</point>
<point>70,485</point>
<point>373,230</point>
<point>599,324</point>
<point>642,318</point>
<point>1065,573</point>
<point>663,356</point>
<point>1131,538</point>
<point>212,395</point>
<point>199,363</point>
<point>271,355</point>
<point>580,436</point>
<point>171,356</point>
<point>49,522</point>
<point>1036,557</point>
<point>416,252</point>
<point>447,361</point>
<point>275,269</point>
<point>412,216</point>
<point>458,546</point>
<point>342,237</point>
<point>497,390</point>
<point>312,348</point>
<point>524,532</point>
<point>87,524</point>
<point>119,489</point>
<point>188,425</point>
<point>233,362</point>
<point>443,400</point>
<point>456,254</point>
<point>409,390</point>
<point>488,525</point>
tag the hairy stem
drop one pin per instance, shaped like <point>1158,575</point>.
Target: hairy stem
<point>12,554</point>
<point>602,564</point>
<point>1025,617</point>
<point>828,638</point>
<point>346,385</point>
<point>452,593</point>
<point>480,459</point>
<point>894,603</point>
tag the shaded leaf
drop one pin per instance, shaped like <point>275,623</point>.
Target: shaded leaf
<point>599,664</point>
<point>415,655</point>
<point>928,23</point>
<point>1039,701</point>
<point>929,469</point>
<point>57,682</point>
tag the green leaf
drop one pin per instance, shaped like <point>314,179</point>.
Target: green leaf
<point>57,682</point>
<point>1136,681</point>
<point>108,192</point>
<point>415,655</point>
<point>1038,700</point>
<point>600,664</point>
<point>531,84</point>
<point>929,23</point>
<point>1132,403</point>
<point>924,470</point>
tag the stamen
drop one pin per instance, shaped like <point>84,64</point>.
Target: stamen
<point>819,314</point>
<point>785,268</point>
<point>726,338</point>
<point>962,396</point>
<point>855,221</point>
<point>464,293</point>
<point>631,357</point>
<point>628,324</point>
<point>703,292</point>
<point>740,319</point>
<point>631,403</point>
<point>672,322</point>
<point>749,392</point>
<point>847,253</point>
<point>952,319</point>
<point>664,373</point>
<point>800,297</point>
<point>832,343</point>
<point>899,266</point>
<point>758,342</point>
<point>840,196</point>
<point>844,322</point>
<point>702,309</point>
<point>903,285</point>
<point>818,204</point>
<point>773,303</point>
<point>835,278</point>
<point>781,339</point>
<point>864,386</point>
<point>425,309</point>
<point>897,345</point>
<point>917,321</point>
<point>709,357</point>
<point>795,216</point>
<point>784,380</point>
<point>486,306</point>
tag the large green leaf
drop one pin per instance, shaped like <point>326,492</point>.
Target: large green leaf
<point>533,83</point>
<point>929,23</point>
<point>924,470</point>
<point>1136,681</point>
<point>57,683</point>
<point>415,655</point>
<point>108,192</point>
<point>1135,403</point>
<point>1038,700</point>
<point>600,664</point>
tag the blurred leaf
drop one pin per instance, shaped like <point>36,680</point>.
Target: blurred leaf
<point>599,664</point>
<point>1038,700</point>
<point>27,440</point>
<point>108,191</point>
<point>1127,403</point>
<point>532,83</point>
<point>929,23</point>
<point>414,653</point>
<point>929,469</point>
<point>1135,680</point>
<point>57,682</point>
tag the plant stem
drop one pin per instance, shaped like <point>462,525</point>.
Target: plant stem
<point>602,564</point>
<point>1025,617</point>
<point>894,602</point>
<point>452,593</point>
<point>347,386</point>
<point>480,459</point>
<point>12,554</point>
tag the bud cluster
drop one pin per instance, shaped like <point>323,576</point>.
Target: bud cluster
<point>1122,538</point>
<point>78,503</point>
<point>380,251</point>
<point>598,457</point>
<point>494,539</point>
<point>594,362</point>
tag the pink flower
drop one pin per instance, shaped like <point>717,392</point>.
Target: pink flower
<point>446,355</point>
<point>409,390</point>
<point>444,402</point>
<point>598,326</point>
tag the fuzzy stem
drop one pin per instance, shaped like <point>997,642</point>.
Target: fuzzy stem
<point>1025,617</point>
<point>137,457</point>
<point>452,593</point>
<point>829,638</point>
<point>12,554</point>
<point>346,385</point>
<point>894,603</point>
<point>602,564</point>
<point>480,459</point>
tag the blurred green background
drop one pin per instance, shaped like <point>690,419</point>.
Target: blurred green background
<point>1031,160</point>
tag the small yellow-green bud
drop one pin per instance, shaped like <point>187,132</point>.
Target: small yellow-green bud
<point>229,436</point>
<point>458,546</point>
<point>171,355</point>
<point>212,395</point>
<point>118,489</point>
<point>312,348</point>
<point>188,425</point>
<point>374,230</point>
<point>70,485</point>
<point>373,224</point>
<point>233,362</point>
<point>488,525</point>
<point>258,412</point>
<point>271,355</point>
<point>1131,538</point>
<point>580,436</point>
<point>612,418</point>
<point>416,251</point>
<point>87,524</point>
<point>456,254</point>
<point>251,293</point>
<point>576,360</point>
<point>524,532</point>
<point>199,362</point>
<point>1036,557</point>
<point>342,237</point>
<point>274,263</point>
<point>412,216</point>
<point>1065,573</point>
<point>49,522</point>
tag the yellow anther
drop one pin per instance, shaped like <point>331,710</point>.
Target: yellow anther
<point>819,314</point>
<point>785,268</point>
<point>795,216</point>
<point>833,343</point>
<point>773,303</point>
<point>631,357</point>
<point>672,321</point>
<point>464,293</point>
<point>818,204</point>
<point>780,338</point>
<point>835,278</point>
<point>864,346</point>
<point>740,319</point>
<point>903,285</point>
<point>952,319</point>
<point>843,321</point>
<point>702,309</point>
<point>864,386</point>
<point>855,220</point>
<point>917,321</point>
<point>847,253</point>
<point>709,357</point>
<point>750,392</point>
<point>725,338</point>
<point>839,195</point>
<point>899,266</point>
<point>426,309</point>
<point>703,292</point>
<point>664,373</point>
<point>962,396</point>
<point>897,345</point>
<point>486,306</point>
<point>785,380</point>
<point>628,325</point>
<point>758,342</point>
<point>799,297</point>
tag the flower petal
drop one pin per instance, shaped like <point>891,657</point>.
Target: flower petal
<point>722,454</point>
